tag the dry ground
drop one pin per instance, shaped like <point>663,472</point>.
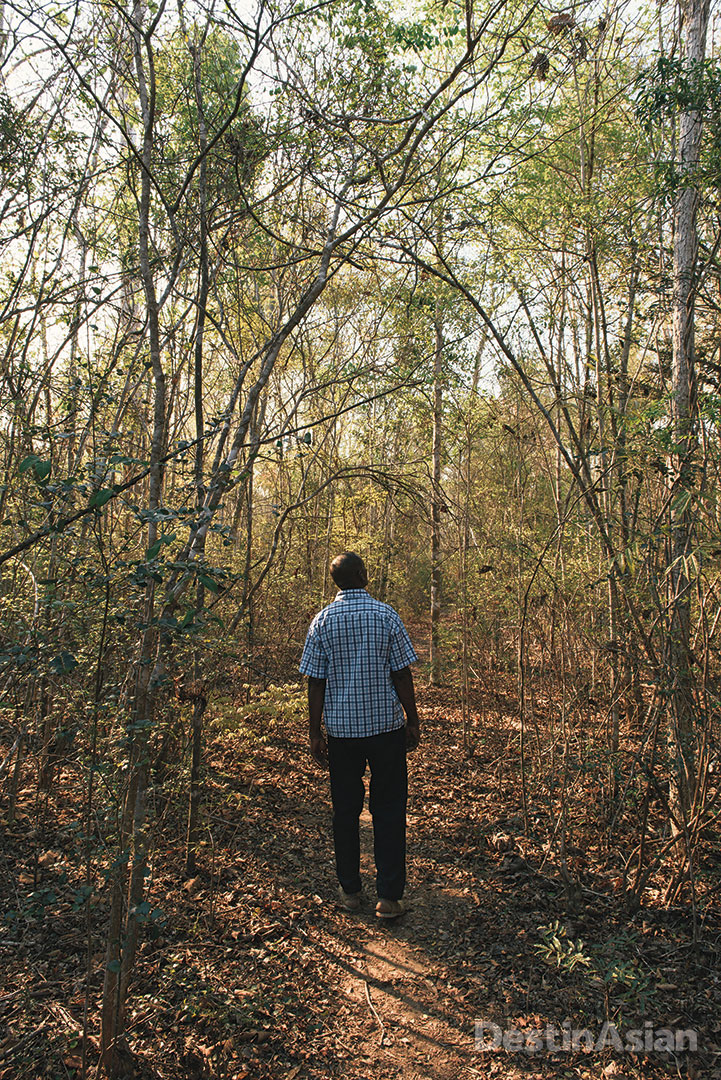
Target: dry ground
<point>250,970</point>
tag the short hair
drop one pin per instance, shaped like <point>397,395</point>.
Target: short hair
<point>346,569</point>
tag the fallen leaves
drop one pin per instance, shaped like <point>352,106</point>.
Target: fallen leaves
<point>248,981</point>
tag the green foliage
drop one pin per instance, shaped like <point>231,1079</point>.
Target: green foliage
<point>672,86</point>
<point>238,143</point>
<point>614,964</point>
<point>278,704</point>
<point>40,468</point>
<point>560,951</point>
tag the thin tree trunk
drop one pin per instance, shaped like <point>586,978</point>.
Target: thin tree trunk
<point>683,466</point>
<point>199,697</point>
<point>435,661</point>
<point>128,886</point>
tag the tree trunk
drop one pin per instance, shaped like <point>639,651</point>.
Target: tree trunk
<point>436,504</point>
<point>682,466</point>
<point>128,881</point>
<point>199,698</point>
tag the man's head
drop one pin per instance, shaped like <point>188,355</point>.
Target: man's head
<point>348,571</point>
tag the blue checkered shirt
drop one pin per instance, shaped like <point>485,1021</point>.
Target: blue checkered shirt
<point>354,644</point>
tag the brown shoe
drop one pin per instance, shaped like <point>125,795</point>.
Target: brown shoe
<point>391,909</point>
<point>350,901</point>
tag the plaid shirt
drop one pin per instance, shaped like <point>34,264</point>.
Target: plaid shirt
<point>354,644</point>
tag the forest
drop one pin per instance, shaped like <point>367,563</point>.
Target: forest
<point>436,282</point>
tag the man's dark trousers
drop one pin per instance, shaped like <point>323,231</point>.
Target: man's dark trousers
<point>386,756</point>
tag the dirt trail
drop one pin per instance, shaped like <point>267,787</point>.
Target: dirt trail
<point>402,998</point>
<point>257,974</point>
<point>398,997</point>
<point>406,1019</point>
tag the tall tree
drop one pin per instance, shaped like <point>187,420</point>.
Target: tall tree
<point>694,16</point>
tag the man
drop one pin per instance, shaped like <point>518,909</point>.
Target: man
<point>356,656</point>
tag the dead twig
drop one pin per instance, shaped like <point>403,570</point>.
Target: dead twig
<point>373,1009</point>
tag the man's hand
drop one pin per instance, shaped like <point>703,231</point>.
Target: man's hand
<point>319,750</point>
<point>403,682</point>
<point>318,745</point>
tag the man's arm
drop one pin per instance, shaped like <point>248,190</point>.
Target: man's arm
<point>403,682</point>
<point>316,697</point>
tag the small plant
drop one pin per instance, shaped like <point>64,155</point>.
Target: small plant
<point>611,964</point>
<point>276,704</point>
<point>559,950</point>
<point>622,975</point>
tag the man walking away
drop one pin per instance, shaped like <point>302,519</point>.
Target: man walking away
<point>357,656</point>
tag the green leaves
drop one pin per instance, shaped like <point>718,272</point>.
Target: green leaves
<point>154,550</point>
<point>99,498</point>
<point>674,84</point>
<point>417,35</point>
<point>209,583</point>
<point>63,663</point>
<point>40,467</point>
<point>560,951</point>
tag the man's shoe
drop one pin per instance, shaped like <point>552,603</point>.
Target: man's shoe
<point>350,901</point>
<point>391,909</point>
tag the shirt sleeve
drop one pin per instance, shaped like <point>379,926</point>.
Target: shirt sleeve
<point>402,652</point>
<point>314,661</point>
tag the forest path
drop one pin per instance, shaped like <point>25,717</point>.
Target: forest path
<point>376,1000</point>
<point>400,997</point>
<point>256,973</point>
<point>384,1000</point>
<point>407,1018</point>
